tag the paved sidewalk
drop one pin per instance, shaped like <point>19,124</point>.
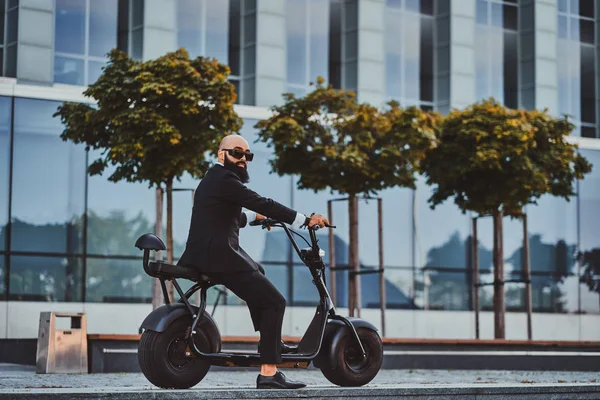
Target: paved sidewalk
<point>18,382</point>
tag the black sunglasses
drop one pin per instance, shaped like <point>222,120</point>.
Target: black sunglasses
<point>238,154</point>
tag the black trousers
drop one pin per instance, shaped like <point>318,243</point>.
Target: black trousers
<point>266,304</point>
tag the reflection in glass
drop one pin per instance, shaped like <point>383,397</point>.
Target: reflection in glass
<point>5,111</point>
<point>443,290</point>
<point>48,182</point>
<point>94,71</point>
<point>202,28</point>
<point>307,29</point>
<point>117,281</point>
<point>68,70</point>
<point>3,261</point>
<point>45,278</point>
<point>69,34</point>
<point>103,27</point>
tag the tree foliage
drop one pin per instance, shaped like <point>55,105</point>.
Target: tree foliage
<point>491,158</point>
<point>590,260</point>
<point>331,141</point>
<point>154,120</point>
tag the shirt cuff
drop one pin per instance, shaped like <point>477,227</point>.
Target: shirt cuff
<point>250,216</point>
<point>300,218</point>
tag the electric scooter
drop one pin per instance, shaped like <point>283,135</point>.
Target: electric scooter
<point>180,341</point>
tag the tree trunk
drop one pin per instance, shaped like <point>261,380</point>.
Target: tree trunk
<point>354,279</point>
<point>157,297</point>
<point>499,330</point>
<point>170,230</point>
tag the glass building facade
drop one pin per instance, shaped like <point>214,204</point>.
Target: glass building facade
<point>68,237</point>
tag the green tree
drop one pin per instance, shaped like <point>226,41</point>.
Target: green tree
<point>493,161</point>
<point>154,120</point>
<point>331,141</point>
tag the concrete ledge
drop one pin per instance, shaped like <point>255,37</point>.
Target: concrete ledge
<point>466,392</point>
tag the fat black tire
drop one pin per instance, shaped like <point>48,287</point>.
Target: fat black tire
<point>162,360</point>
<point>351,369</point>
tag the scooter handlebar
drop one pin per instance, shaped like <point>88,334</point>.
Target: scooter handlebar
<point>270,222</point>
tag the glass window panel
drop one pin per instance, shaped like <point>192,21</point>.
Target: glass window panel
<point>590,300</point>
<point>589,202</point>
<point>586,8</point>
<point>103,27</point>
<point>439,244</point>
<point>48,182</point>
<point>279,275</point>
<point>586,31</point>
<point>68,70</point>
<point>250,28</point>
<point>13,25</point>
<point>482,12</point>
<point>562,5</point>
<point>587,131</point>
<point>235,36</point>
<point>217,15</point>
<point>574,7</point>
<point>427,7</point>
<point>46,278</point>
<point>393,3</point>
<point>574,29</point>
<point>497,15</point>
<point>319,40</point>
<point>305,292</point>
<point>510,17</point>
<point>117,281</point>
<point>3,261</point>
<point>70,26</point>
<point>399,289</point>
<point>410,52</point>
<point>563,29</point>
<point>412,5</point>
<point>137,12</point>
<point>137,41</point>
<point>249,93</point>
<point>11,61</point>
<point>118,213</point>
<point>94,71</point>
<point>351,76</point>
<point>5,112</point>
<point>443,290</point>
<point>189,23</point>
<point>511,69</point>
<point>2,20</point>
<point>426,60</point>
<point>588,84</point>
<point>296,26</point>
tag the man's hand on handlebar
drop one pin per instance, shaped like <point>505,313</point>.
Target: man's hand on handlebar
<point>318,219</point>
<point>260,217</point>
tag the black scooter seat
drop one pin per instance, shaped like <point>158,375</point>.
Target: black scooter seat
<point>164,270</point>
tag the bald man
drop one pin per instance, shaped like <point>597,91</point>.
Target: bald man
<point>213,248</point>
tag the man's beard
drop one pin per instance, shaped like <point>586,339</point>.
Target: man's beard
<point>240,170</point>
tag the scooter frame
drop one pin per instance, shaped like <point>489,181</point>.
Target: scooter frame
<point>311,343</point>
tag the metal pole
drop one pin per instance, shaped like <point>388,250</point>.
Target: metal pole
<point>381,276</point>
<point>475,249</point>
<point>331,254</point>
<point>527,272</point>
<point>156,289</point>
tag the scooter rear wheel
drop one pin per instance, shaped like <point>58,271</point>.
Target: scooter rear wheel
<point>352,369</point>
<point>162,359</point>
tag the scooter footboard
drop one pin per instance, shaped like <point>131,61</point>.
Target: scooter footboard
<point>334,331</point>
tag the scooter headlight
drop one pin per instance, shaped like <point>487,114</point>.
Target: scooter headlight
<point>321,253</point>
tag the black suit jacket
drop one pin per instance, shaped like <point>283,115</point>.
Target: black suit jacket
<point>213,240</point>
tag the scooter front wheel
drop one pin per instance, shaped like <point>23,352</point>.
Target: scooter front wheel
<point>162,358</point>
<point>352,369</point>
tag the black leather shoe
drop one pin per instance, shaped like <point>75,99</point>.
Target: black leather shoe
<point>286,348</point>
<point>277,381</point>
